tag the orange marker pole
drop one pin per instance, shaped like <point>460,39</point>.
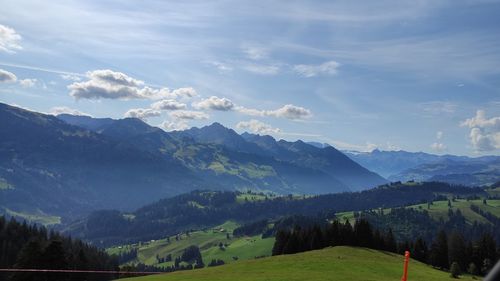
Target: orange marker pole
<point>405,268</point>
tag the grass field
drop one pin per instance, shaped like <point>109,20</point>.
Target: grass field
<point>439,209</point>
<point>238,248</point>
<point>38,217</point>
<point>338,263</point>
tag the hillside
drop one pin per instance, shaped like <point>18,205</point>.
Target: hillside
<point>220,154</point>
<point>48,167</point>
<point>208,240</point>
<point>439,210</point>
<point>337,263</point>
<point>202,209</point>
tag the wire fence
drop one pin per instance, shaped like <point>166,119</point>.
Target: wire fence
<point>79,271</point>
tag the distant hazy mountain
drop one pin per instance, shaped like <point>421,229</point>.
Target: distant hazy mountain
<point>466,171</point>
<point>403,165</point>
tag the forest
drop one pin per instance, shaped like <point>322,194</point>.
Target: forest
<point>34,247</point>
<point>446,251</point>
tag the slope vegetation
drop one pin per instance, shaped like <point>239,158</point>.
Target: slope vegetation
<point>338,263</point>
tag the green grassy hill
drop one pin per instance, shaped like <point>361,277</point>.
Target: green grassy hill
<point>439,209</point>
<point>338,263</point>
<point>235,248</point>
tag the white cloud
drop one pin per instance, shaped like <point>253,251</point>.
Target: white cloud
<point>178,125</point>
<point>27,83</point>
<point>66,110</point>
<point>108,84</point>
<point>114,78</point>
<point>168,104</point>
<point>262,69</point>
<point>307,70</point>
<point>215,103</point>
<point>188,114</point>
<point>485,133</point>
<point>70,77</point>
<point>142,113</point>
<point>288,111</point>
<point>9,39</point>
<point>258,127</point>
<point>438,146</point>
<point>184,93</point>
<point>7,77</point>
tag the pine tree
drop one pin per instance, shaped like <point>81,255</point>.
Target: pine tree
<point>29,257</point>
<point>439,251</point>
<point>456,250</point>
<point>54,258</point>
<point>390,241</point>
<point>420,250</point>
<point>363,233</point>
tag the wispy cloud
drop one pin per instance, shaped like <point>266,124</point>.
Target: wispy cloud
<point>308,70</point>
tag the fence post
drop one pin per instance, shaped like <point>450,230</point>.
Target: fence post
<point>405,268</point>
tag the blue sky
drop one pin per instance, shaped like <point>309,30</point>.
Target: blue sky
<point>412,75</point>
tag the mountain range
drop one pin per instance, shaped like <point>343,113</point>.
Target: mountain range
<point>69,165</point>
<point>420,166</point>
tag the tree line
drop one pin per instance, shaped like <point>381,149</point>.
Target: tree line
<point>446,249</point>
<point>174,215</point>
<point>34,247</point>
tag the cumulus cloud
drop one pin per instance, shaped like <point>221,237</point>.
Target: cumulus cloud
<point>485,133</point>
<point>142,113</point>
<point>178,125</point>
<point>9,39</point>
<point>290,111</point>
<point>66,110</point>
<point>258,127</point>
<point>7,77</point>
<point>168,104</point>
<point>108,84</point>
<point>188,114</point>
<point>308,70</point>
<point>187,92</point>
<point>27,83</point>
<point>215,103</point>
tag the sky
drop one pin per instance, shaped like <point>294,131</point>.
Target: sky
<point>359,75</point>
